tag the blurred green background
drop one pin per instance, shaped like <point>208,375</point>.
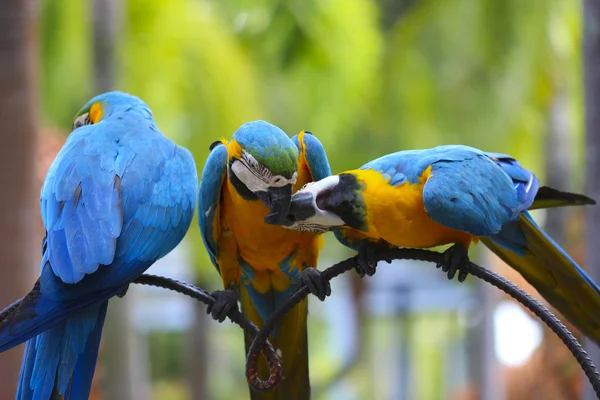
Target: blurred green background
<point>367,77</point>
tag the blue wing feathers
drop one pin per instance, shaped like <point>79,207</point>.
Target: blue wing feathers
<point>525,182</point>
<point>471,195</point>
<point>209,197</point>
<point>468,190</point>
<point>122,198</point>
<point>487,195</point>
<point>315,156</point>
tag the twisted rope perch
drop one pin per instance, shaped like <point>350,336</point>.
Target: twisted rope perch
<point>431,256</point>
<point>275,368</point>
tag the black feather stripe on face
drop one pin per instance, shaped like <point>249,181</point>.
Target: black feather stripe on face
<point>239,186</point>
<point>346,201</point>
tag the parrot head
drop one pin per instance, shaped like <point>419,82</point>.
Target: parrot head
<point>335,201</point>
<point>263,164</point>
<point>105,105</point>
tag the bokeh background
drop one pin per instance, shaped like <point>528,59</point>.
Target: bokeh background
<point>367,77</point>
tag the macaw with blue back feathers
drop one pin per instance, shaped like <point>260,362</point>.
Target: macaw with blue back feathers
<point>247,181</point>
<point>118,196</point>
<point>452,195</point>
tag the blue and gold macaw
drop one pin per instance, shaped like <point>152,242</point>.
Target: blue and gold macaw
<point>452,195</point>
<point>245,182</point>
<point>118,196</point>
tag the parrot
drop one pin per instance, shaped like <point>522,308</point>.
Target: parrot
<point>245,182</point>
<point>451,195</point>
<point>118,196</point>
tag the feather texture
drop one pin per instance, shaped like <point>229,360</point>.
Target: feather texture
<point>467,195</point>
<point>264,261</point>
<point>118,196</point>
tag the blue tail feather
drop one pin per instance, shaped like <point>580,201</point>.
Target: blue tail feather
<point>81,382</point>
<point>63,358</point>
<point>580,270</point>
<point>524,246</point>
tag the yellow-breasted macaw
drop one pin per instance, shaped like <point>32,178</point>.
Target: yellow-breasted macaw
<point>245,181</point>
<point>118,196</point>
<point>452,195</point>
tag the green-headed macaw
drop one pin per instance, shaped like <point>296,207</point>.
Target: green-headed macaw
<point>118,196</point>
<point>244,181</point>
<point>453,195</point>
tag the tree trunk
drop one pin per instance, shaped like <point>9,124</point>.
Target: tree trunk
<point>591,12</point>
<point>18,123</point>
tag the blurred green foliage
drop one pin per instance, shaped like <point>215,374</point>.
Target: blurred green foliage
<point>367,77</point>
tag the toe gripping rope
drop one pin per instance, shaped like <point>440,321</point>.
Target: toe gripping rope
<point>276,371</point>
<point>426,255</point>
<point>261,344</point>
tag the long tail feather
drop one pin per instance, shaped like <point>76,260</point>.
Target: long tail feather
<point>290,340</point>
<point>81,381</point>
<point>62,360</point>
<point>36,314</point>
<point>525,247</point>
<point>546,197</point>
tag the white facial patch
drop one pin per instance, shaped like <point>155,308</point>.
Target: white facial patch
<point>83,119</point>
<point>320,186</point>
<point>323,220</point>
<point>256,176</point>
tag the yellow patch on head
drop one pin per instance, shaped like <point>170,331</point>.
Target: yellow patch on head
<point>425,175</point>
<point>304,174</point>
<point>96,112</point>
<point>234,150</point>
<point>301,141</point>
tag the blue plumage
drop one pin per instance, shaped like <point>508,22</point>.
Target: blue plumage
<point>267,145</point>
<point>466,191</point>
<point>316,159</point>
<point>211,184</point>
<point>488,195</point>
<point>118,196</point>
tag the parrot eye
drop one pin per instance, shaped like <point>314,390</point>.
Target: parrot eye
<point>83,119</point>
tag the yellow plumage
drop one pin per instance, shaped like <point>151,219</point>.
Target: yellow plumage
<point>243,233</point>
<point>396,214</point>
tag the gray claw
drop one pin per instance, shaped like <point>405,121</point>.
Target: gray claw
<point>366,263</point>
<point>225,301</point>
<point>316,283</point>
<point>454,258</point>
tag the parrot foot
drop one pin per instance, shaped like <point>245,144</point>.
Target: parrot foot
<point>225,301</point>
<point>366,263</point>
<point>316,283</point>
<point>123,292</point>
<point>455,257</point>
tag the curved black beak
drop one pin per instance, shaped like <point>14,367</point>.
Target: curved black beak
<point>302,207</point>
<point>278,200</point>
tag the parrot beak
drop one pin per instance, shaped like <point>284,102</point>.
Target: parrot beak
<point>278,200</point>
<point>302,207</point>
<point>308,209</point>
